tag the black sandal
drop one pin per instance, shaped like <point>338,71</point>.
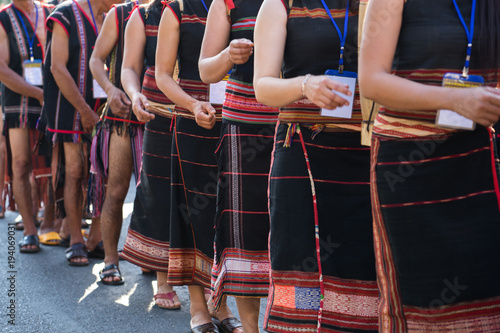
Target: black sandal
<point>205,328</point>
<point>116,273</point>
<point>29,240</point>
<point>229,324</point>
<point>77,250</point>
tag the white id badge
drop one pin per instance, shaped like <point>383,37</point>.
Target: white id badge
<point>33,72</point>
<point>217,93</point>
<point>451,119</point>
<point>347,78</point>
<point>98,91</point>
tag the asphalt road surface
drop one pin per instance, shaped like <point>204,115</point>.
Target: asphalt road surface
<point>42,293</point>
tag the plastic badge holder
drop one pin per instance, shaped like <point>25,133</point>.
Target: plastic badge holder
<point>451,119</point>
<point>33,72</point>
<point>217,93</point>
<point>348,78</point>
<point>98,91</point>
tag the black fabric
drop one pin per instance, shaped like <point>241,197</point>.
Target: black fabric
<point>191,36</point>
<point>344,209</point>
<point>152,201</point>
<point>151,21</point>
<point>450,242</point>
<point>320,38</point>
<point>21,111</point>
<point>58,112</point>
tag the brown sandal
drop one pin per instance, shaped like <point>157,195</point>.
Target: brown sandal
<point>168,296</point>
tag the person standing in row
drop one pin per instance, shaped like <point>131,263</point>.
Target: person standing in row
<point>148,238</point>
<point>194,167</point>
<point>434,162</point>
<point>321,243</point>
<point>117,146</point>
<point>72,99</point>
<point>241,266</point>
<point>22,40</point>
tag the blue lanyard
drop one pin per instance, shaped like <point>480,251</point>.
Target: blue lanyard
<point>469,33</point>
<point>32,40</point>
<point>342,38</point>
<point>93,19</point>
<point>203,2</point>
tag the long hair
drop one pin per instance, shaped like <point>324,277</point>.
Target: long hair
<point>353,6</point>
<point>155,7</point>
<point>489,35</point>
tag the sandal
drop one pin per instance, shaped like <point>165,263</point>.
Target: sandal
<point>29,240</point>
<point>65,241</point>
<point>205,328</point>
<point>116,273</point>
<point>229,324</point>
<point>168,296</point>
<point>77,250</point>
<point>51,238</point>
<point>97,252</point>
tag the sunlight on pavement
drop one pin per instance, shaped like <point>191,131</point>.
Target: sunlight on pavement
<point>95,270</point>
<point>155,290</point>
<point>125,299</point>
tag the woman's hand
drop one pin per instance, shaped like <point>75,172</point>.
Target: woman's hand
<point>240,50</point>
<point>139,105</point>
<point>204,115</point>
<point>481,105</point>
<point>321,91</point>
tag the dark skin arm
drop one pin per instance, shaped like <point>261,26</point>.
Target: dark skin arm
<point>60,42</point>
<point>108,36</point>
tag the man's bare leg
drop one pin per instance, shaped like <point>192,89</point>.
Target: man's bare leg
<point>21,167</point>
<point>48,223</point>
<point>120,171</point>
<point>75,160</point>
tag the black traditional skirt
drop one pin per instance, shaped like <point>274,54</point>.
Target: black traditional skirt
<point>319,199</point>
<point>437,230</point>
<point>242,264</point>
<point>147,242</point>
<point>194,194</point>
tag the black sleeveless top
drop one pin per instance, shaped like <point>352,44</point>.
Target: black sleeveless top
<point>63,120</point>
<point>312,47</point>
<point>21,111</point>
<point>192,27</point>
<point>431,43</point>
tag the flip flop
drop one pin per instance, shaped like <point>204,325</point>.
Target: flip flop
<point>77,250</point>
<point>205,328</point>
<point>168,296</point>
<point>29,240</point>
<point>50,238</point>
<point>116,273</point>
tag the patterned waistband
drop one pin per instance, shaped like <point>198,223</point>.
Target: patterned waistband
<point>387,126</point>
<point>241,106</point>
<point>199,91</point>
<point>151,90</point>
<point>305,111</point>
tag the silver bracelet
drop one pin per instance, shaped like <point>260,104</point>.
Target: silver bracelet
<point>303,85</point>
